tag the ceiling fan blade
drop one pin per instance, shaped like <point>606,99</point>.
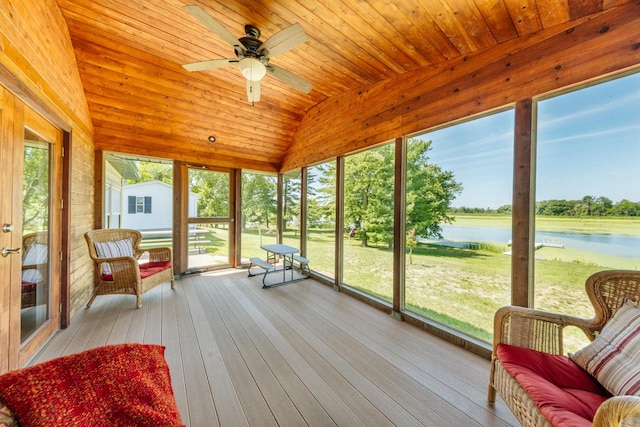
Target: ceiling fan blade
<point>208,21</point>
<point>284,40</point>
<point>289,78</point>
<point>253,91</point>
<point>209,65</point>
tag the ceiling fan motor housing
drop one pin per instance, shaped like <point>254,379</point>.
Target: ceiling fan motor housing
<point>251,44</point>
<point>253,55</point>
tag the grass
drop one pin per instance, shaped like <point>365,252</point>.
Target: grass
<point>627,226</point>
<point>459,287</point>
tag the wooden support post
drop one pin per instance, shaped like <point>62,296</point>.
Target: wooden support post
<point>304,232</point>
<point>523,210</point>
<point>339,257</point>
<point>399,226</point>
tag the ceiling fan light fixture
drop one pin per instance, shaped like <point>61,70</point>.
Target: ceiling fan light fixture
<point>252,69</point>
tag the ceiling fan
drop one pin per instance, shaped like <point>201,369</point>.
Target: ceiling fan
<point>253,55</point>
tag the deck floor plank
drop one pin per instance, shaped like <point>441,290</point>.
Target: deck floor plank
<point>300,396</point>
<point>327,359</point>
<point>284,411</point>
<point>225,398</point>
<point>332,341</point>
<point>202,411</point>
<point>442,374</point>
<point>300,354</point>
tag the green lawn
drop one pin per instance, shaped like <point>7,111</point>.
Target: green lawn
<point>458,287</point>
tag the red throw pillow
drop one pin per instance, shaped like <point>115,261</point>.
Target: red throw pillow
<point>115,385</point>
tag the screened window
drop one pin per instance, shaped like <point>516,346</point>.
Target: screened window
<point>458,222</point>
<point>587,197</point>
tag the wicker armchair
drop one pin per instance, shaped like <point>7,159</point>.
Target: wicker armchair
<point>35,266</point>
<point>543,331</point>
<point>122,273</point>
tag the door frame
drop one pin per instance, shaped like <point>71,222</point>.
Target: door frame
<point>54,136</point>
<point>16,99</point>
<point>181,218</point>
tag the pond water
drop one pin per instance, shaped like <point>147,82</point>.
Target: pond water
<point>618,245</point>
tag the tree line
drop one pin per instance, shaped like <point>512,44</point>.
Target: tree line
<point>588,206</point>
<point>368,194</point>
<point>369,180</point>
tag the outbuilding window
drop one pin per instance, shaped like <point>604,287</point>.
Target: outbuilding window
<point>139,204</point>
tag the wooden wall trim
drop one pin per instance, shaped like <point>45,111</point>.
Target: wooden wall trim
<point>552,59</point>
<point>98,189</point>
<point>65,266</point>
<point>523,206</point>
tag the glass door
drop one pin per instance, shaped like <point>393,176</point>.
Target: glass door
<point>36,194</point>
<point>30,233</point>
<point>41,235</point>
<point>209,229</point>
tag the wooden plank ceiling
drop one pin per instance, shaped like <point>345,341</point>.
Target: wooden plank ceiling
<point>142,101</point>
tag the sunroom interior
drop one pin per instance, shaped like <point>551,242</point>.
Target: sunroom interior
<point>402,125</point>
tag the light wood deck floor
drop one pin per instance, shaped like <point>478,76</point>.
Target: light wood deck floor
<point>295,355</point>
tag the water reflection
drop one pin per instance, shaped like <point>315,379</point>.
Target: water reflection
<point>618,245</point>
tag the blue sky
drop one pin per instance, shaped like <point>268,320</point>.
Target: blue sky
<point>588,143</point>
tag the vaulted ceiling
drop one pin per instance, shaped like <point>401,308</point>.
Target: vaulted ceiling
<point>142,101</point>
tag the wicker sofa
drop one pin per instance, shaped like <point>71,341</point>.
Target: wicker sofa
<point>540,385</point>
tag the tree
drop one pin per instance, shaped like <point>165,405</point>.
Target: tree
<point>259,193</point>
<point>430,191</point>
<point>213,189</point>
<point>369,189</point>
<point>291,200</point>
<point>155,172</point>
<point>368,194</point>
<point>35,189</point>
<point>626,208</point>
<point>321,194</point>
<point>412,242</point>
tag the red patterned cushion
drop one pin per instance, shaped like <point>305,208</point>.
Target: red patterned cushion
<point>146,269</point>
<point>565,394</point>
<point>116,385</point>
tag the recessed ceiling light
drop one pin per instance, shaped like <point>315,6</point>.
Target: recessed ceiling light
<point>212,138</point>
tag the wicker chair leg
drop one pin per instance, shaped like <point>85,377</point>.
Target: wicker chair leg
<point>93,297</point>
<point>491,395</point>
<point>138,300</point>
<point>172,283</point>
<point>491,392</point>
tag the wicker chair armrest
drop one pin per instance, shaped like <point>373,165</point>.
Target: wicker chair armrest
<point>122,267</point>
<point>159,254</point>
<point>534,329</point>
<point>615,410</point>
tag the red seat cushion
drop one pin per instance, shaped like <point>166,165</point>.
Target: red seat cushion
<point>28,287</point>
<point>147,269</point>
<point>564,392</point>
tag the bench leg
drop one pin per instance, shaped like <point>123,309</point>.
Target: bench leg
<point>304,268</point>
<point>249,271</point>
